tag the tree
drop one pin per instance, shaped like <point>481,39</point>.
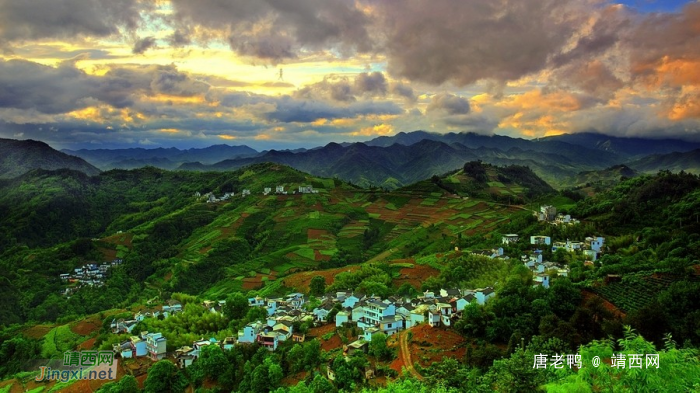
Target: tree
<point>127,384</point>
<point>379,349</point>
<point>321,385</point>
<point>236,306</point>
<point>317,286</point>
<point>164,377</point>
<point>563,298</point>
<point>679,369</point>
<point>256,314</point>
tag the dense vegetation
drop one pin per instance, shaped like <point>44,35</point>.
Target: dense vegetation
<point>175,245</point>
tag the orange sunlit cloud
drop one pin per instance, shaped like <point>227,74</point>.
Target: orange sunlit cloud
<point>376,130</point>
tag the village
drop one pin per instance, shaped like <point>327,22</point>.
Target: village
<point>90,274</point>
<point>370,314</point>
<point>279,190</point>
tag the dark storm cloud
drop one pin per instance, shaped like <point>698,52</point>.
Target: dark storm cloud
<point>449,104</point>
<point>143,44</point>
<point>28,85</point>
<point>402,90</point>
<point>179,38</point>
<point>277,29</point>
<point>37,19</point>
<point>346,89</point>
<point>372,83</point>
<point>465,41</point>
<point>288,109</point>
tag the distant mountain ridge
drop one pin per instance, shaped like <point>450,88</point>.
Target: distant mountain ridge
<point>625,146</point>
<point>165,158</point>
<point>407,157</point>
<point>688,161</point>
<point>398,165</point>
<point>18,157</point>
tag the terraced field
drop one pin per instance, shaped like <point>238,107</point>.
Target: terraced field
<point>635,291</point>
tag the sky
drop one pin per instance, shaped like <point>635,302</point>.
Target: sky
<point>302,73</point>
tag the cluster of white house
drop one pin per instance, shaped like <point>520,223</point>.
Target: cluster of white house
<point>279,190</point>
<point>370,313</point>
<point>591,246</point>
<point>549,214</point>
<point>121,326</point>
<point>90,274</point>
<point>542,270</point>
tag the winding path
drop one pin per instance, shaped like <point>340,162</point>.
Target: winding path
<point>406,355</point>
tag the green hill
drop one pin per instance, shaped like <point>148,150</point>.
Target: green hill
<point>600,179</point>
<point>175,241</point>
<point>19,157</point>
<point>509,184</point>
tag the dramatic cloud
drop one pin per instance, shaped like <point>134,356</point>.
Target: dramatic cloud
<point>127,72</point>
<point>37,19</point>
<point>464,41</point>
<point>449,103</point>
<point>291,110</point>
<point>143,44</point>
<point>275,30</point>
<point>346,89</point>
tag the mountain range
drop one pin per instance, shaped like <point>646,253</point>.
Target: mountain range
<point>163,158</point>
<point>407,157</point>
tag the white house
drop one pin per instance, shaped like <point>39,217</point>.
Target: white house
<point>510,238</point>
<point>272,305</point>
<point>267,190</point>
<point>596,244</point>
<point>374,311</point>
<point>284,330</point>
<point>250,332</point>
<point>350,301</point>
<point>123,349</point>
<point>547,213</point>
<point>462,302</point>
<point>341,317</point>
<point>391,325</point>
<point>450,293</point>
<point>269,340</point>
<point>542,279</point>
<point>482,295</point>
<point>156,345</point>
<point>538,240</point>
<point>445,311</point>
<point>256,301</point>
<point>321,312</point>
<point>138,346</point>
<point>434,318</point>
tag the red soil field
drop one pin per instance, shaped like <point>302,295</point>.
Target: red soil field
<point>415,275</point>
<point>302,280</point>
<point>88,344</point>
<point>257,281</point>
<point>431,344</point>
<point>320,257</point>
<point>38,331</point>
<point>86,327</point>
